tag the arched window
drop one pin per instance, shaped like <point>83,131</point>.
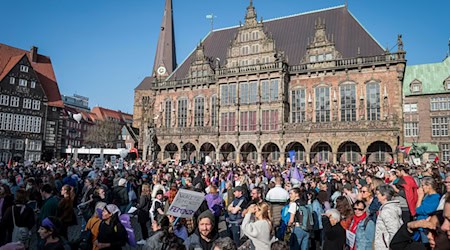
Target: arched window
<point>199,111</point>
<point>323,104</point>
<point>298,106</point>
<point>214,111</point>
<point>182,112</point>
<point>348,102</point>
<point>168,114</point>
<point>373,101</point>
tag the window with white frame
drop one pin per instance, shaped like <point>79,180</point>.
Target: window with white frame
<point>19,144</point>
<point>6,143</point>
<point>23,82</point>
<point>33,84</point>
<point>410,107</point>
<point>27,103</point>
<point>23,68</point>
<point>12,80</point>
<point>4,100</point>
<point>445,148</point>
<point>36,105</point>
<point>411,129</point>
<point>439,126</point>
<point>440,103</point>
<point>269,90</point>
<point>14,101</point>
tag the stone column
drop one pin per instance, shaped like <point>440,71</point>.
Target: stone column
<point>282,158</point>
<point>334,157</point>
<point>308,157</point>
<point>238,157</point>
<point>217,155</point>
<point>259,161</point>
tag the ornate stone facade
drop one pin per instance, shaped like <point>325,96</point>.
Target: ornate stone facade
<point>327,101</point>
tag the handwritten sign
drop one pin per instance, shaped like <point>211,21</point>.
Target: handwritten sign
<point>350,239</point>
<point>186,203</point>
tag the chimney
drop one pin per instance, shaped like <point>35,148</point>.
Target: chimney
<point>34,54</point>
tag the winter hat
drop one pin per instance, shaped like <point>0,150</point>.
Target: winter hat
<point>112,209</point>
<point>207,214</point>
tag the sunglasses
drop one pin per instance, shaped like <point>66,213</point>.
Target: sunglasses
<point>358,209</point>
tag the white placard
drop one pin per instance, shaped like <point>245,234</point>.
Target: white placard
<point>186,203</point>
<point>350,238</point>
<point>99,163</point>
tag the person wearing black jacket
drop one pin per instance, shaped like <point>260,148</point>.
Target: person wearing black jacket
<point>23,215</point>
<point>112,234</point>
<point>334,233</point>
<point>143,207</point>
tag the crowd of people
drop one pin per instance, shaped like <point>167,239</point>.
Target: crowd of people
<point>245,206</point>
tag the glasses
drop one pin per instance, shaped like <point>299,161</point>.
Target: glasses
<point>358,209</point>
<point>446,182</point>
<point>364,191</point>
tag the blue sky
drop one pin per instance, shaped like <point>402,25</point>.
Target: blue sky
<point>102,49</point>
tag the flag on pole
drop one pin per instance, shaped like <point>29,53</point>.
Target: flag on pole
<point>436,159</point>
<point>404,149</point>
<point>363,159</point>
<point>264,168</point>
<point>9,163</point>
<point>296,175</point>
<point>292,156</point>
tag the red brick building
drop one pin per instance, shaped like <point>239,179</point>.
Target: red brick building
<point>317,83</point>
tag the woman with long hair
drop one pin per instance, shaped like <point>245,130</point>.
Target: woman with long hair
<point>112,234</point>
<point>260,231</point>
<point>93,224</point>
<point>346,211</point>
<point>143,207</point>
<point>427,203</point>
<point>64,211</point>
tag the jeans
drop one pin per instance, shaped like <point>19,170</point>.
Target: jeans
<point>235,233</point>
<point>299,239</point>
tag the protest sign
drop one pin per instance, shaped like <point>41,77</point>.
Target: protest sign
<point>186,203</point>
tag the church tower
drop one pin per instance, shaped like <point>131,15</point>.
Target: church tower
<point>165,57</point>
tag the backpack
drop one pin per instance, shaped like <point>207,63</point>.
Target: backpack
<point>86,238</point>
<point>305,216</point>
<point>21,234</point>
<point>285,216</point>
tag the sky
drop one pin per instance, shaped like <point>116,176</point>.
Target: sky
<point>103,49</point>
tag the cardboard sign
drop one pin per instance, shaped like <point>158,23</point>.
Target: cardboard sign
<point>350,239</point>
<point>186,203</point>
<point>99,163</point>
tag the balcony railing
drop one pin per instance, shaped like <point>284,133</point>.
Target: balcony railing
<point>350,62</point>
<point>186,131</point>
<point>305,127</point>
<point>251,68</point>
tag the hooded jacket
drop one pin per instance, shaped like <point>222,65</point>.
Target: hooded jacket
<point>195,240</point>
<point>411,193</point>
<point>388,223</point>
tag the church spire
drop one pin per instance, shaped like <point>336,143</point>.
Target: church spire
<point>250,16</point>
<point>165,57</point>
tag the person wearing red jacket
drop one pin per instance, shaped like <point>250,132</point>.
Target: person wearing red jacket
<point>410,187</point>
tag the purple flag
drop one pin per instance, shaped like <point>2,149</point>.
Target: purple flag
<point>264,168</point>
<point>230,175</point>
<point>297,175</point>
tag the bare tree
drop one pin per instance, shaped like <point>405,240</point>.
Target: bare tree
<point>103,134</point>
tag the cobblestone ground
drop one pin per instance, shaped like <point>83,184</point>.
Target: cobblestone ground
<point>74,233</point>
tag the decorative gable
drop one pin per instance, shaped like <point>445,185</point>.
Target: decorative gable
<point>251,44</point>
<point>415,86</point>
<point>201,65</point>
<point>321,51</point>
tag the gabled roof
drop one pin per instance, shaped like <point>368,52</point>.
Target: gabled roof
<point>146,83</point>
<point>291,35</point>
<point>104,113</point>
<point>43,68</point>
<point>432,77</point>
<point>13,61</point>
<point>86,116</point>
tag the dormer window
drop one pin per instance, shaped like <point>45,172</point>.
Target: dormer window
<point>312,59</point>
<point>447,83</point>
<point>416,86</point>
<point>23,68</point>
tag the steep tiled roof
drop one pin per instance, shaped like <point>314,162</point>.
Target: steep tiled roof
<point>43,68</point>
<point>104,113</point>
<point>432,77</point>
<point>291,35</point>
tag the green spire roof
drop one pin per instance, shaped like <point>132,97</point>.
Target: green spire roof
<point>432,77</point>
